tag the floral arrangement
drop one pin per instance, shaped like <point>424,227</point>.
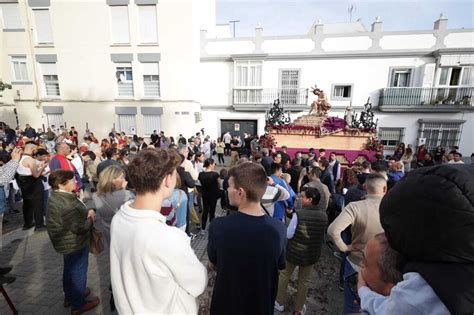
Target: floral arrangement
<point>267,141</point>
<point>374,144</point>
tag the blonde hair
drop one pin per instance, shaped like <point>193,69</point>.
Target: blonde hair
<point>286,177</point>
<point>105,184</point>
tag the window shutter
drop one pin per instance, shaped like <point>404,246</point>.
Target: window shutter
<point>126,122</point>
<point>428,75</point>
<point>11,15</point>
<point>120,25</point>
<point>55,119</point>
<point>44,32</point>
<point>148,27</point>
<point>150,123</point>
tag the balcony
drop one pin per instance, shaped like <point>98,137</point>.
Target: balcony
<point>418,99</point>
<point>260,99</point>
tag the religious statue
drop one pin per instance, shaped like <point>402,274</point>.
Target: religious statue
<point>321,106</point>
<point>348,115</point>
<point>277,115</point>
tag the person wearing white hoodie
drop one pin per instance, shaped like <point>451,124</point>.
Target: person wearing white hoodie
<point>153,268</point>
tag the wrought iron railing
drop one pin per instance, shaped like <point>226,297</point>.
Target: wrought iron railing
<point>267,96</point>
<point>418,96</point>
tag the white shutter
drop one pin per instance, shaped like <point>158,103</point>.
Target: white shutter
<point>428,75</point>
<point>150,123</point>
<point>44,32</point>
<point>49,68</point>
<point>11,15</point>
<point>120,25</point>
<point>55,119</point>
<point>150,68</point>
<point>126,122</point>
<point>148,26</point>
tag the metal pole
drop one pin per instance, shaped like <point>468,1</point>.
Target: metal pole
<point>233,23</point>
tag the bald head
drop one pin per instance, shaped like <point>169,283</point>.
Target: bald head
<point>375,184</point>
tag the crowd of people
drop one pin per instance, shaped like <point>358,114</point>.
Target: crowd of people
<point>152,199</point>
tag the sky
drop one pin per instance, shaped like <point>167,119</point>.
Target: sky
<point>295,17</point>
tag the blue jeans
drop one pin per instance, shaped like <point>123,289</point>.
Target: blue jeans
<point>188,212</point>
<point>3,200</point>
<point>75,277</point>
<point>350,306</point>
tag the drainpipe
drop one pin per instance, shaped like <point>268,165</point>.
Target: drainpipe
<point>32,51</point>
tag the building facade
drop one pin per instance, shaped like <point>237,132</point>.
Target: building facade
<point>102,63</point>
<point>144,65</point>
<point>420,83</point>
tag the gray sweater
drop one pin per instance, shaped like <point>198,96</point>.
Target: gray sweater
<point>106,207</point>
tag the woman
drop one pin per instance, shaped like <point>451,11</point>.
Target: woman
<point>407,158</point>
<point>210,191</point>
<point>220,146</point>
<point>123,159</point>
<point>399,151</point>
<point>111,195</point>
<point>69,226</point>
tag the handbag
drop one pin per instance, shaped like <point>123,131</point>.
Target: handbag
<point>96,242</point>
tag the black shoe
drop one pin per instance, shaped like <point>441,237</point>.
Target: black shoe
<point>5,270</point>
<point>40,229</point>
<point>27,227</point>
<point>5,221</point>
<point>6,280</point>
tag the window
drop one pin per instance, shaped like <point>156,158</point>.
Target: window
<point>55,120</point>
<point>341,92</point>
<point>124,79</point>
<point>446,134</point>
<point>150,123</point>
<point>151,79</point>
<point>44,32</point>
<point>120,25</point>
<point>11,15</point>
<point>400,77</point>
<point>391,137</point>
<point>50,78</point>
<point>466,76</point>
<point>148,26</point>
<point>455,76</point>
<point>289,84</point>
<point>248,82</point>
<point>20,70</point>
<point>127,124</point>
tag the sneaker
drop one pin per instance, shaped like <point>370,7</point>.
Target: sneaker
<point>40,229</point>
<point>192,236</point>
<point>338,255</point>
<point>279,307</point>
<point>28,227</point>
<point>5,270</point>
<point>6,280</point>
<point>86,294</point>
<point>87,307</point>
<point>302,312</point>
<point>203,232</point>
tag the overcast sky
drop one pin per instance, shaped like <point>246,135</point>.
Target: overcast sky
<point>294,17</point>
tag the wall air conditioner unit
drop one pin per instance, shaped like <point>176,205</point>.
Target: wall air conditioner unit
<point>197,117</point>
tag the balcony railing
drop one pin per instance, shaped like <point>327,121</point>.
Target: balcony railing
<point>418,96</point>
<point>267,96</point>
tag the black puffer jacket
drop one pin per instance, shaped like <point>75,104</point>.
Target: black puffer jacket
<point>304,248</point>
<point>429,218</point>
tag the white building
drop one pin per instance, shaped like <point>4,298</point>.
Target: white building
<point>129,63</point>
<point>147,64</point>
<point>419,82</point>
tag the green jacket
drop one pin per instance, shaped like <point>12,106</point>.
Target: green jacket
<point>67,223</point>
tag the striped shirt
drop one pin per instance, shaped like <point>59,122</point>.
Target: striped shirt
<point>272,195</point>
<point>7,172</point>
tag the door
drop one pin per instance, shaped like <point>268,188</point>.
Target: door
<point>239,127</point>
<point>289,83</point>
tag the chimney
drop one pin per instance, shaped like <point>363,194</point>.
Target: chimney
<point>259,30</point>
<point>441,23</point>
<point>377,25</point>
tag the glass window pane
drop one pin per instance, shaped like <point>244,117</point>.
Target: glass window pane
<point>443,78</point>
<point>466,76</point>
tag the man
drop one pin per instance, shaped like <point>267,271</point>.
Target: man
<point>379,268</point>
<point>364,218</point>
<point>428,161</point>
<point>112,155</point>
<point>31,186</point>
<point>326,175</point>
<point>153,268</point>
<point>438,267</point>
<point>456,158</point>
<point>155,139</point>
<point>247,264</point>
<point>280,206</point>
<point>266,161</point>
<point>315,182</point>
<point>141,144</point>
<point>227,139</point>
<point>188,167</point>
<point>273,194</point>
<point>396,173</point>
<point>438,154</point>
<point>92,163</point>
<point>30,132</point>
<point>234,151</point>
<point>334,167</point>
<point>60,161</point>
<point>295,172</point>
<point>7,173</point>
<point>306,236</point>
<point>365,171</point>
<point>285,158</point>
<point>206,148</point>
<point>322,154</point>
